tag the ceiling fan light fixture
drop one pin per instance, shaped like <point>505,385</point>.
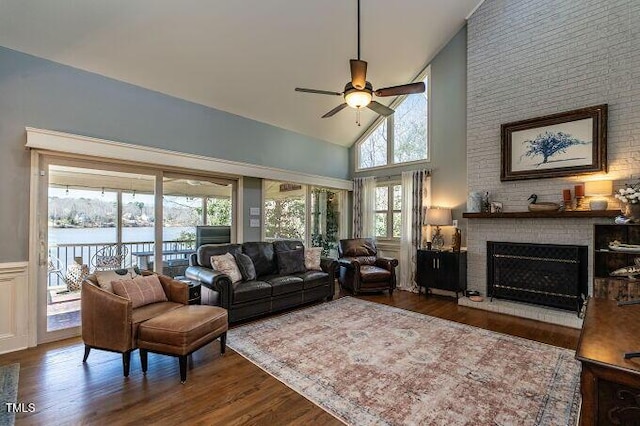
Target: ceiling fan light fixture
<point>358,98</point>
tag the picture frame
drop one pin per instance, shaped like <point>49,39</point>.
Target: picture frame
<point>496,207</point>
<point>565,144</point>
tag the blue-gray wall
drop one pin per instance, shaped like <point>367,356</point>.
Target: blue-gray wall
<point>40,93</point>
<point>448,122</point>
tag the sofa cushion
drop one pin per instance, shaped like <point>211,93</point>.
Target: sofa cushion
<point>105,278</point>
<point>263,257</point>
<point>140,290</point>
<point>357,247</point>
<point>143,313</point>
<point>287,245</point>
<point>370,273</point>
<point>312,279</point>
<point>282,284</point>
<point>245,291</point>
<point>312,257</point>
<point>290,262</point>
<point>205,252</point>
<point>245,264</point>
<point>226,264</point>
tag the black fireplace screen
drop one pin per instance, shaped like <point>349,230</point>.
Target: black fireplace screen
<point>543,274</point>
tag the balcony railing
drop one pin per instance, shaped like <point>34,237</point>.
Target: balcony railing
<point>66,254</point>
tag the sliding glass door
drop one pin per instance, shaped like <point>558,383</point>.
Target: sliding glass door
<point>94,216</point>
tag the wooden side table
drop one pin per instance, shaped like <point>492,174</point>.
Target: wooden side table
<point>195,290</point>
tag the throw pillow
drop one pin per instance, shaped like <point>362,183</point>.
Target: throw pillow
<point>106,277</point>
<point>290,262</point>
<point>312,258</point>
<point>140,290</point>
<point>245,264</point>
<point>226,264</point>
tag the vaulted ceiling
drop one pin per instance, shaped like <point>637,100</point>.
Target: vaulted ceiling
<point>244,56</point>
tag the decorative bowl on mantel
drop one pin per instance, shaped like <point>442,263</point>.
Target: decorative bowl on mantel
<point>544,207</point>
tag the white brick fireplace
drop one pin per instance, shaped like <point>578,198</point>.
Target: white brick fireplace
<point>524,60</point>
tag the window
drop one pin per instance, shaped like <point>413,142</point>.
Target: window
<point>399,138</point>
<point>388,215</point>
<point>284,210</point>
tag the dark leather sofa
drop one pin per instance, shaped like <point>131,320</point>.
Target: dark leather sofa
<point>270,291</point>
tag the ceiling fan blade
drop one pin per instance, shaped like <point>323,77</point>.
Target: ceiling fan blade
<point>335,110</point>
<point>405,89</point>
<point>358,73</point>
<point>380,109</point>
<point>321,92</point>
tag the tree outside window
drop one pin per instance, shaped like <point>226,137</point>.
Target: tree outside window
<point>284,210</point>
<point>399,138</point>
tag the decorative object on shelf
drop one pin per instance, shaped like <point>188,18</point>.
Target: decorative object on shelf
<point>628,271</point>
<point>616,245</point>
<point>456,240</point>
<point>629,196</point>
<point>535,206</point>
<point>598,190</point>
<point>569,143</point>
<point>496,207</point>
<point>474,202</point>
<point>579,191</point>
<point>486,204</point>
<point>438,217</point>
<point>567,199</point>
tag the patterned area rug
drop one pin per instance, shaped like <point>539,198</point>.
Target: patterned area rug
<point>372,364</point>
<point>8,392</point>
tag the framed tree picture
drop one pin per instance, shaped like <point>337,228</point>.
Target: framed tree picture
<point>565,144</point>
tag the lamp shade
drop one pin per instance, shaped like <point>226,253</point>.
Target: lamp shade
<point>439,217</point>
<point>598,188</point>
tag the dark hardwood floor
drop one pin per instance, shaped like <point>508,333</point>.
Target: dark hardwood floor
<point>219,389</point>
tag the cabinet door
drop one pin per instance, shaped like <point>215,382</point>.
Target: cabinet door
<point>426,270</point>
<point>448,271</point>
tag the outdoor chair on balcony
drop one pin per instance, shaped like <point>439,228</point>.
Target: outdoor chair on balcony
<point>109,257</point>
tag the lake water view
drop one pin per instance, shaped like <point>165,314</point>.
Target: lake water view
<point>108,235</point>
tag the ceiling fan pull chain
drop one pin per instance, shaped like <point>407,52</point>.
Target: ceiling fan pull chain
<point>358,116</point>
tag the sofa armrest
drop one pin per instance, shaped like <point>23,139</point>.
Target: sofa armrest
<point>328,264</point>
<point>176,291</point>
<point>106,319</point>
<point>349,263</point>
<point>193,259</point>
<point>213,280</point>
<point>387,263</point>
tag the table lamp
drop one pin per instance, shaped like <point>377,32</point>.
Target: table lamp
<point>598,190</point>
<point>438,217</point>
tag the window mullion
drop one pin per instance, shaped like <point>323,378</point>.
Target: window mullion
<point>390,138</point>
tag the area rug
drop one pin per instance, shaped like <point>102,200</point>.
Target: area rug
<point>372,364</point>
<point>8,392</point>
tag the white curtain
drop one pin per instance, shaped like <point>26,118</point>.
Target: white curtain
<point>364,207</point>
<point>416,197</point>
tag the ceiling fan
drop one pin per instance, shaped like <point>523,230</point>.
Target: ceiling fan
<point>358,93</point>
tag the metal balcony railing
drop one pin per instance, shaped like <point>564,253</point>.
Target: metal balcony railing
<point>66,254</point>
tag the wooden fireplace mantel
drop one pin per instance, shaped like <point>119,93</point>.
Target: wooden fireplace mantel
<point>544,215</point>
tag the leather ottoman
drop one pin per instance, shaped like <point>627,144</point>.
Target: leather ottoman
<point>182,331</point>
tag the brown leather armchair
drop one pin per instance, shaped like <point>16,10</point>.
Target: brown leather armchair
<point>110,323</point>
<point>362,270</point>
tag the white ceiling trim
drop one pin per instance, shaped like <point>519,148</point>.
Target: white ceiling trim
<point>474,10</point>
<point>84,145</point>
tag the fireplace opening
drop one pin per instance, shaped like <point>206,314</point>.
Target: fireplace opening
<point>542,274</point>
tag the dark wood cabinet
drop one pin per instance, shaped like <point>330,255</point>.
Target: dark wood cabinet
<point>443,270</point>
<point>606,260</point>
<point>610,383</point>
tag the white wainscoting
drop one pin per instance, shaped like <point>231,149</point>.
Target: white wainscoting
<point>14,312</point>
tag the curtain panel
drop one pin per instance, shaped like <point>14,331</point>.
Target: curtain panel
<point>363,207</point>
<point>416,197</point>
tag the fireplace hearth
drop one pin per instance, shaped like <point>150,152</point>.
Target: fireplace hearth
<point>542,274</point>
